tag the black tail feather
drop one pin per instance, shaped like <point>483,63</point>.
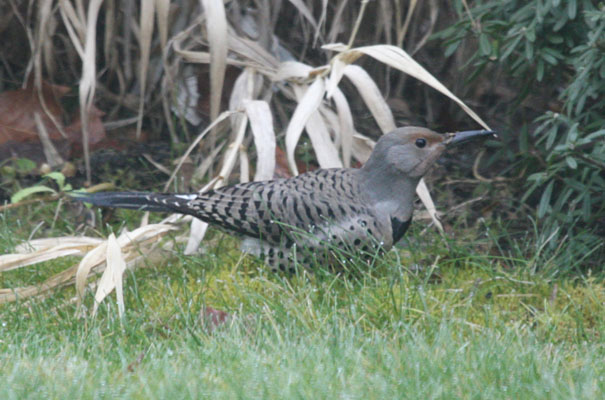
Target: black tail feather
<point>145,201</point>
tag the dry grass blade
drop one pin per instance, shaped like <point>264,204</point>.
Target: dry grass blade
<point>304,10</point>
<point>242,92</point>
<point>196,235</point>
<point>399,59</point>
<point>41,250</point>
<point>93,251</point>
<point>347,129</point>
<point>110,35</point>
<point>425,196</point>
<point>146,31</point>
<point>372,97</point>
<point>244,165</point>
<point>322,20</point>
<point>112,276</point>
<point>261,124</point>
<point>337,70</point>
<point>88,81</point>
<point>42,46</point>
<point>94,258</point>
<point>74,26</point>
<point>406,24</point>
<point>50,152</point>
<point>325,150</point>
<point>224,115</point>
<point>162,8</point>
<point>307,105</point>
<point>362,147</point>
<point>216,27</point>
<point>254,54</point>
<point>293,70</point>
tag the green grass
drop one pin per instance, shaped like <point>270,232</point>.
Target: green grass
<point>471,321</point>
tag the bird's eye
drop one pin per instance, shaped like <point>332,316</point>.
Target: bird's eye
<point>420,143</point>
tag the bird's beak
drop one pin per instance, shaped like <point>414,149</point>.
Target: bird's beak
<point>454,139</point>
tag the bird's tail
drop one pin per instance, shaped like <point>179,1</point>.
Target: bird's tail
<point>146,201</point>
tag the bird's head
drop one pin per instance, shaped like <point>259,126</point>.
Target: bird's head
<point>411,151</point>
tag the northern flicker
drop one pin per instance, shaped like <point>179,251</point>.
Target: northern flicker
<point>312,214</point>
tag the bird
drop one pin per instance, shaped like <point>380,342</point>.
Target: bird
<point>308,218</point>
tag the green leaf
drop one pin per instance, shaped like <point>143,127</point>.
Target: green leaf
<point>24,165</point>
<point>545,200</point>
<point>451,48</point>
<point>538,176</point>
<point>572,9</point>
<point>23,193</point>
<point>523,140</point>
<point>540,70</point>
<point>586,207</point>
<point>57,177</point>
<point>484,45</point>
<point>529,50</point>
<point>555,39</point>
<point>549,58</point>
<point>573,164</point>
<point>510,47</point>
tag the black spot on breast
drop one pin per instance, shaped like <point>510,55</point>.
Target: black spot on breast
<point>399,227</point>
<point>357,242</point>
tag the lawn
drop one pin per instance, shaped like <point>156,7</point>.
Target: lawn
<point>462,317</point>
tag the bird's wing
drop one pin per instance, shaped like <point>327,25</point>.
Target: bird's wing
<point>264,210</point>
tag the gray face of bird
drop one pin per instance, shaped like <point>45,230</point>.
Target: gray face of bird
<point>410,151</point>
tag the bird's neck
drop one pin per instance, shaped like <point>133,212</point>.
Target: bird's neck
<point>390,192</point>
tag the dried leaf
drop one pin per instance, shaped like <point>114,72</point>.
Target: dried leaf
<point>325,150</point>
<point>425,196</point>
<point>162,8</point>
<point>362,147</point>
<point>112,276</point>
<point>88,82</point>
<point>399,59</point>
<point>40,250</point>
<point>94,258</point>
<point>372,97</point>
<point>304,10</point>
<point>216,27</point>
<point>307,105</point>
<point>18,107</point>
<point>293,70</point>
<point>244,166</point>
<point>347,129</point>
<point>261,124</point>
<point>146,23</point>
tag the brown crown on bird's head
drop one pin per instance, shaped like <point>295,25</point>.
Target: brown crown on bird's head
<point>412,150</point>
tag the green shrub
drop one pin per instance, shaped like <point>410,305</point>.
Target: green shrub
<point>550,48</point>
